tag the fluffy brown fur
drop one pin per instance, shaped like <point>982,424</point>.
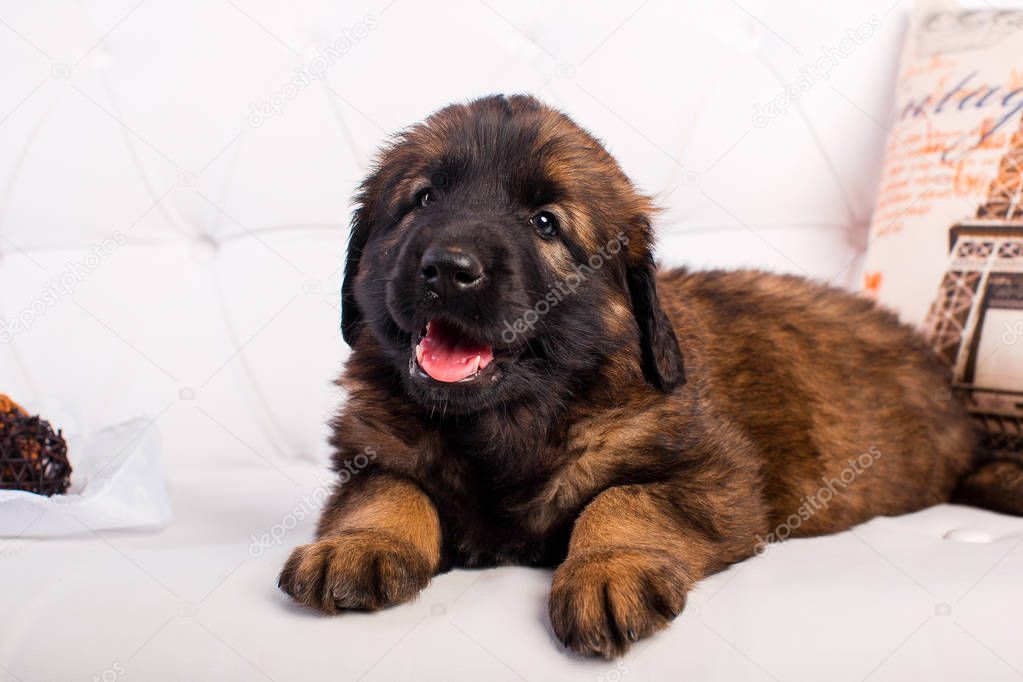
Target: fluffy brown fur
<point>649,430</point>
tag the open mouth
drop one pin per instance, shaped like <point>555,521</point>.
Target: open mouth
<point>446,354</point>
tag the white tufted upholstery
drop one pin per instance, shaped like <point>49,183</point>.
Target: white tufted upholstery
<point>218,315</point>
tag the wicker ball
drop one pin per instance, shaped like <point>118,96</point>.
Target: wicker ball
<point>32,456</point>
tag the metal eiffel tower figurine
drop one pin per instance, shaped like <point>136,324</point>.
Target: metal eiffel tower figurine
<point>976,322</point>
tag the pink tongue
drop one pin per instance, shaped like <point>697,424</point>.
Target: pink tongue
<point>448,356</point>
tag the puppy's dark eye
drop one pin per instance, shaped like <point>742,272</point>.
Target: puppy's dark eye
<point>545,223</point>
<point>424,198</point>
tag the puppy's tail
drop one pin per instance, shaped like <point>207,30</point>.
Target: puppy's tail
<point>995,484</point>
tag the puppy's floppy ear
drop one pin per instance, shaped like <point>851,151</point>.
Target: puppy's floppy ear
<point>371,210</point>
<point>662,359</point>
<point>351,316</point>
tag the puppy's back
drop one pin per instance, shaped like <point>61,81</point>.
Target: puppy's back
<point>818,377</point>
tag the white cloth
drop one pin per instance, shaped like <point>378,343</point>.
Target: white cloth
<point>117,482</point>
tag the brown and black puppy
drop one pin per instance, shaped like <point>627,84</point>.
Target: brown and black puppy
<point>533,391</point>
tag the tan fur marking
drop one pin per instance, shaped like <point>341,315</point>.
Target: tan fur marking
<point>392,505</point>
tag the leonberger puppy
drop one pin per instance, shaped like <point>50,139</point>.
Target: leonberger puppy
<point>526,387</point>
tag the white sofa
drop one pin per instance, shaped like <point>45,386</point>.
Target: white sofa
<point>200,234</point>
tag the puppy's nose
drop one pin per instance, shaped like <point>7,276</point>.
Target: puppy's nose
<point>451,269</point>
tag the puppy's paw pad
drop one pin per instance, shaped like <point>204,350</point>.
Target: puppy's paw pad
<point>604,601</point>
<point>364,570</point>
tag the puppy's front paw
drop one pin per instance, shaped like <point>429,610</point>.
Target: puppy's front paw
<point>357,569</point>
<point>604,601</point>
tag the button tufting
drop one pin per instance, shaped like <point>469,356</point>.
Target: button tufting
<point>971,535</point>
<point>206,245</point>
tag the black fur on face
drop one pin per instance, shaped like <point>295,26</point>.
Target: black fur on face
<point>512,230</point>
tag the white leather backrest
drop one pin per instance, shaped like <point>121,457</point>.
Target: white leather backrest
<point>212,304</point>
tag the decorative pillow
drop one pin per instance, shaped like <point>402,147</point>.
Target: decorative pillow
<point>946,240</point>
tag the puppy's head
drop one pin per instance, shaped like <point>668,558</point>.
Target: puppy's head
<point>498,253</point>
